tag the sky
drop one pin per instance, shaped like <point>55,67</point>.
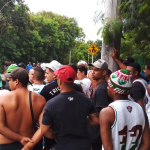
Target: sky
<point>82,10</point>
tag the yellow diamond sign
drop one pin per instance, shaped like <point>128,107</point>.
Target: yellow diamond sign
<point>93,49</point>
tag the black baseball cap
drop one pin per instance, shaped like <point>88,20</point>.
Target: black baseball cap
<point>18,73</point>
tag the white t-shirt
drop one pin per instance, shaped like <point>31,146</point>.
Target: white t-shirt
<point>4,91</point>
<point>36,87</point>
<point>86,86</point>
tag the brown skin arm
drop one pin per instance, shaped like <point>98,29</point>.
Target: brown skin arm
<point>93,119</point>
<point>37,135</point>
<point>5,131</point>
<point>106,119</point>
<point>145,141</point>
<point>48,132</point>
<point>115,56</point>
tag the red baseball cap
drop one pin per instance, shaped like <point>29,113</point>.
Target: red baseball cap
<point>66,74</point>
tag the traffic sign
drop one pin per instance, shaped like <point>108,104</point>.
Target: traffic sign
<point>93,49</point>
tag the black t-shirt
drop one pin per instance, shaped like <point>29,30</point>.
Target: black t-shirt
<point>68,113</point>
<point>137,91</point>
<point>100,101</point>
<point>51,90</point>
<point>101,98</point>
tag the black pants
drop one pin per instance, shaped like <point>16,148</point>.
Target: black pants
<point>96,146</point>
<point>11,146</point>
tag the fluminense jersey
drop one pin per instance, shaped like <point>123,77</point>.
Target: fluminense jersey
<point>128,125</point>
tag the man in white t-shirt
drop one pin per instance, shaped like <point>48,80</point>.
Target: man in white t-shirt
<point>84,80</point>
<point>37,79</point>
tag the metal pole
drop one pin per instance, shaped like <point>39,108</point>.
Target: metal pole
<point>92,59</point>
<point>70,58</point>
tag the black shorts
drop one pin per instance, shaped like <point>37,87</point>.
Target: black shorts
<point>11,146</point>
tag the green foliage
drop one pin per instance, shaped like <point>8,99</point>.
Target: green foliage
<point>135,14</point>
<point>41,37</point>
<point>112,29</point>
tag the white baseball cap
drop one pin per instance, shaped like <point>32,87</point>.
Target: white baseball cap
<point>101,64</point>
<point>54,65</point>
<point>82,62</point>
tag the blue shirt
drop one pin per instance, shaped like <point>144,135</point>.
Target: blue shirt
<point>29,67</point>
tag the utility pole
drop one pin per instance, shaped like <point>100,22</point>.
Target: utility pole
<point>111,11</point>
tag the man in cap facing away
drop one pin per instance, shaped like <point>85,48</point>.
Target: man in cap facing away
<point>68,112</point>
<point>16,124</point>
<point>123,121</point>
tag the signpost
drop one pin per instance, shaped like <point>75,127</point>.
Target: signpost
<point>93,49</point>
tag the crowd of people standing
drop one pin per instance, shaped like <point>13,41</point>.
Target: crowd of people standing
<point>70,107</point>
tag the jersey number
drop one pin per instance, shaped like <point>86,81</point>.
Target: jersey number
<point>133,134</point>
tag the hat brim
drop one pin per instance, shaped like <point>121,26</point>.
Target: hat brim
<point>95,66</point>
<point>48,66</point>
<point>8,75</point>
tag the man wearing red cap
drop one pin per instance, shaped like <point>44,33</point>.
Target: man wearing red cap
<point>68,112</point>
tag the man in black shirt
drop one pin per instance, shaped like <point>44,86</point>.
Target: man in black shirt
<point>51,89</point>
<point>100,99</point>
<point>68,113</point>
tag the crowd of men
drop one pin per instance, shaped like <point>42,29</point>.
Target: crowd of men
<point>69,107</point>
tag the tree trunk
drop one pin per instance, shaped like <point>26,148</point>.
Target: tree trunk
<point>111,11</point>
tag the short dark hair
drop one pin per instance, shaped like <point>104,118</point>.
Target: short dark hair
<point>74,67</point>
<point>38,73</point>
<point>108,72</point>
<point>136,67</point>
<point>128,60</point>
<point>148,65</point>
<point>82,68</point>
<point>24,81</point>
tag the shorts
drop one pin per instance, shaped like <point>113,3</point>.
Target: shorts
<point>11,146</point>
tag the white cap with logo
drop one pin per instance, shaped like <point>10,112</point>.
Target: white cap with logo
<point>54,65</point>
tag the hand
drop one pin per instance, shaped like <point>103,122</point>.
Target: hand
<point>25,140</point>
<point>115,54</point>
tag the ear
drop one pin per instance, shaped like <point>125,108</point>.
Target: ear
<point>136,73</point>
<point>54,77</point>
<point>17,81</point>
<point>60,82</point>
<point>104,72</point>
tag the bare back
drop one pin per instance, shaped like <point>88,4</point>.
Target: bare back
<point>17,114</point>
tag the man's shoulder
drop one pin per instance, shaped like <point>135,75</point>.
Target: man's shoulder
<point>138,85</point>
<point>37,98</point>
<point>6,97</point>
<point>103,85</point>
<point>51,85</point>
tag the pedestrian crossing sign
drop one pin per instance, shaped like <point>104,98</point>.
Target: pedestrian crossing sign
<point>93,49</point>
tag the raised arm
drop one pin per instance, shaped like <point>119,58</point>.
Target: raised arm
<point>114,55</point>
<point>145,141</point>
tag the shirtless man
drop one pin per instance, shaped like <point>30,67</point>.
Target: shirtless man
<point>16,125</point>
